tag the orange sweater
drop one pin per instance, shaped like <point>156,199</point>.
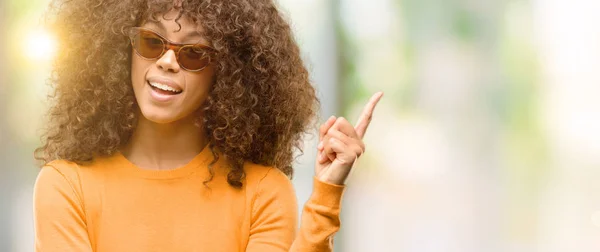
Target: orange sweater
<point>112,205</point>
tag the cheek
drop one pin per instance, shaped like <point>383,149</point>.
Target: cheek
<point>138,69</point>
<point>199,86</point>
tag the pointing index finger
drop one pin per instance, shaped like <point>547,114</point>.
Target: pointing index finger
<point>367,114</point>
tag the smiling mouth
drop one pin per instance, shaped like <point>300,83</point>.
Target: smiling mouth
<point>163,89</point>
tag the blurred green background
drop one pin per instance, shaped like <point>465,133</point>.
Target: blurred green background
<point>487,139</point>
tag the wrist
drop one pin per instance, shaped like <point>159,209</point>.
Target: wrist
<point>331,181</point>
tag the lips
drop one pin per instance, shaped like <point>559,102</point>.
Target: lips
<point>165,84</point>
<point>163,90</point>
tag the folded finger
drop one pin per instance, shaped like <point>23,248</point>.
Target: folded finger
<point>328,154</point>
<point>345,127</point>
<point>324,128</point>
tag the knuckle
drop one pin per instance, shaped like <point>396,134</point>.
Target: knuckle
<point>355,134</point>
<point>325,144</point>
<point>344,121</point>
<point>322,128</point>
<point>359,154</point>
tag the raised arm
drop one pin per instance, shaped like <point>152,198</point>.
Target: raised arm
<point>340,145</point>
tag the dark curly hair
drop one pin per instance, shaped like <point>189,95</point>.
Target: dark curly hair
<point>258,108</point>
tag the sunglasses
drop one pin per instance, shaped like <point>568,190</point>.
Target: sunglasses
<point>150,45</point>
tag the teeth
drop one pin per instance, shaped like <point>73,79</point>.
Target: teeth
<point>164,87</point>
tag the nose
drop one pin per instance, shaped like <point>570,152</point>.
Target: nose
<point>168,62</point>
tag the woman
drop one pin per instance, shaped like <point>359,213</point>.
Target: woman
<point>173,129</point>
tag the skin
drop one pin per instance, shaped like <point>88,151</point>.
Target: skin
<point>341,144</point>
<point>162,137</point>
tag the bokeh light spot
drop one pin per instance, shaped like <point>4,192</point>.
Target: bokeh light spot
<point>40,45</point>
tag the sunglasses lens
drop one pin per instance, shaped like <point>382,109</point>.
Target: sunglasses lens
<point>151,46</point>
<point>193,58</point>
<point>148,44</point>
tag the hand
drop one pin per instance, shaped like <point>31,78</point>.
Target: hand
<point>340,144</point>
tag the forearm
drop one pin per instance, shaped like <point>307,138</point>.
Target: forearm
<point>320,219</point>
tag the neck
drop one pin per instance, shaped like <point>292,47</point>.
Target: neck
<point>164,146</point>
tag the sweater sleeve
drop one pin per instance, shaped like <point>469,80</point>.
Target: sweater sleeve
<point>320,218</point>
<point>274,220</point>
<point>58,214</point>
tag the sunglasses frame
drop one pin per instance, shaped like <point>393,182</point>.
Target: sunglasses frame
<point>168,45</point>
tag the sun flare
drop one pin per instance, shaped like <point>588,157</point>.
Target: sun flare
<point>40,45</point>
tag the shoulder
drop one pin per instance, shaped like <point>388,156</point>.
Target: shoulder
<point>59,173</point>
<point>67,169</point>
<point>271,191</point>
<point>260,176</point>
<point>62,173</point>
<point>57,180</point>
<point>269,185</point>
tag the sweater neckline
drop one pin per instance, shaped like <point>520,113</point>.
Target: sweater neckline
<point>197,163</point>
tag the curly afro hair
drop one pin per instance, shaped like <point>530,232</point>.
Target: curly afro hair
<point>258,109</point>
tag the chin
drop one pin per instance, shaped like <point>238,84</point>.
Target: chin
<point>159,116</point>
